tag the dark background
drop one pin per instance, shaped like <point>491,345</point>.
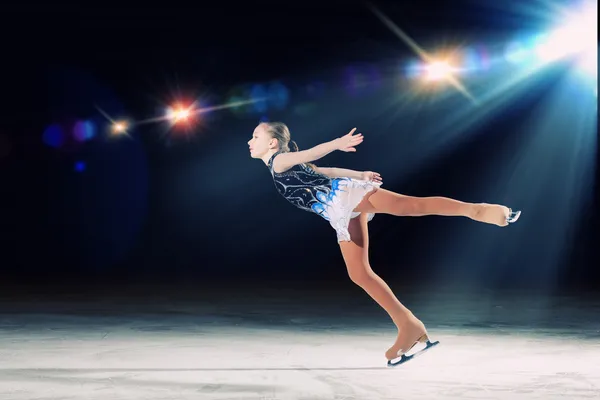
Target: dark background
<point>192,206</point>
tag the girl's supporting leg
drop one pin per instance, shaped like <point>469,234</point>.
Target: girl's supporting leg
<point>356,257</point>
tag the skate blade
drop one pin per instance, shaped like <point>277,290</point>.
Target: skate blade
<point>404,358</point>
<point>513,216</point>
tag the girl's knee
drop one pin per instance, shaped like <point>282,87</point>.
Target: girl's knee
<point>360,273</point>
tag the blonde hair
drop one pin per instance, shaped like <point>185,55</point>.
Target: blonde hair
<point>281,132</point>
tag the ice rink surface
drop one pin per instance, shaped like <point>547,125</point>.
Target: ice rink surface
<point>294,344</point>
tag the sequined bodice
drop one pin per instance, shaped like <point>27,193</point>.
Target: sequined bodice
<point>302,186</point>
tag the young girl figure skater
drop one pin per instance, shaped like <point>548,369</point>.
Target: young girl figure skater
<point>348,200</point>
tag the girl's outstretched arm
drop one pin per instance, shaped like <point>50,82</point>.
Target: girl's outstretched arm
<point>349,173</point>
<point>346,143</point>
<point>339,172</point>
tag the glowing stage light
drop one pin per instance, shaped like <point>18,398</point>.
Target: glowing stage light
<point>561,43</point>
<point>182,114</point>
<point>438,70</point>
<point>417,49</point>
<point>577,36</point>
<point>178,114</point>
<point>119,128</point>
<point>184,119</point>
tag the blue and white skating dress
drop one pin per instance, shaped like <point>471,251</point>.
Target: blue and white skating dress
<point>334,199</point>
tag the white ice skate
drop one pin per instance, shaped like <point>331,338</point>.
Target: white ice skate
<point>407,357</point>
<point>513,216</point>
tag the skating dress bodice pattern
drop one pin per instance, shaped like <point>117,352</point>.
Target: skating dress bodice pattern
<point>305,188</point>
<point>334,199</point>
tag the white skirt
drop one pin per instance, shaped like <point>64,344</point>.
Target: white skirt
<point>338,206</point>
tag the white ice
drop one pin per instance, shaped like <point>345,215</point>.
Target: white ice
<point>284,349</point>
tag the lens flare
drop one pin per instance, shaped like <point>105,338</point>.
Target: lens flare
<point>119,127</point>
<point>178,114</point>
<point>438,70</point>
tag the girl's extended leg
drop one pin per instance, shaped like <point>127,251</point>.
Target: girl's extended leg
<point>387,202</point>
<point>356,257</point>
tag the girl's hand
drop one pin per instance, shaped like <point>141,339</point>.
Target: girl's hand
<point>371,176</point>
<point>348,142</point>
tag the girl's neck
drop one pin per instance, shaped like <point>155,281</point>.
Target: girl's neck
<point>268,156</point>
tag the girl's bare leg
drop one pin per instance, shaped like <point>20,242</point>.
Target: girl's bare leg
<point>356,257</point>
<point>385,201</point>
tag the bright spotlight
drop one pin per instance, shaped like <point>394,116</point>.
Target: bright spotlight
<point>119,127</point>
<point>577,36</point>
<point>438,70</point>
<point>559,44</point>
<point>178,114</point>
